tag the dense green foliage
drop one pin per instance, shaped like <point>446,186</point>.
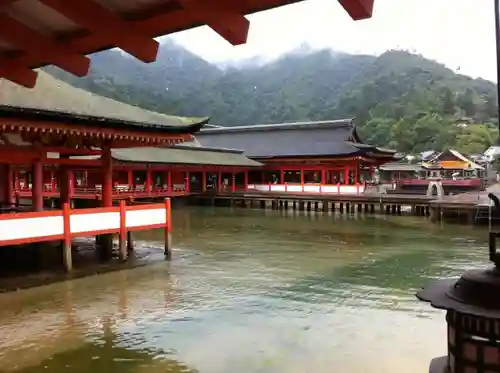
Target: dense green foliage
<point>400,100</point>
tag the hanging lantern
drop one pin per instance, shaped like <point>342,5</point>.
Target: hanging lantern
<point>472,303</point>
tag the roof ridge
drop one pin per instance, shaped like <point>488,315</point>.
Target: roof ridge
<point>281,126</point>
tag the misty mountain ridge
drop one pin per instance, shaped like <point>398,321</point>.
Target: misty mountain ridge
<point>302,84</point>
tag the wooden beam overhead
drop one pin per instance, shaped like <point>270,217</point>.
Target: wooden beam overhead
<point>358,9</point>
<point>98,19</point>
<point>18,74</point>
<point>72,162</point>
<point>221,17</point>
<point>42,48</point>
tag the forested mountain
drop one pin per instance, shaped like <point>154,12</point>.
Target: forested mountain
<point>399,100</point>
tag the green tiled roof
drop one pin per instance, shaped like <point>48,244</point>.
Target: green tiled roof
<point>179,155</point>
<point>51,94</point>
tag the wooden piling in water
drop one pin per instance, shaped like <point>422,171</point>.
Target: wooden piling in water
<point>168,230</point>
<point>122,236</point>
<point>66,243</point>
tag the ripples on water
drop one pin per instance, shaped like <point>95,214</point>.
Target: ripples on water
<point>249,291</point>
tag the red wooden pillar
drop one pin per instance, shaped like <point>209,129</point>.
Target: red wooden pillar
<point>37,185</point>
<point>246,180</point>
<point>188,182</point>
<point>204,181</point>
<point>17,180</point>
<point>219,181</point>
<point>233,182</point>
<point>6,186</point>
<point>282,177</point>
<point>356,173</point>
<point>105,241</point>
<point>147,187</point>
<point>72,182</point>
<point>9,184</point>
<point>302,179</point>
<point>169,182</point>
<point>65,189</point>
<point>346,175</point>
<point>130,180</point>
<point>107,178</point>
<point>323,176</point>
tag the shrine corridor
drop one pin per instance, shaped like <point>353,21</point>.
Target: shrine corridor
<point>249,291</point>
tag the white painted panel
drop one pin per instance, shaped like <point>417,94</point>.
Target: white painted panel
<point>278,187</point>
<point>308,188</point>
<point>94,222</point>
<point>15,229</point>
<point>311,188</point>
<point>350,189</point>
<point>330,189</point>
<point>261,187</point>
<point>139,218</point>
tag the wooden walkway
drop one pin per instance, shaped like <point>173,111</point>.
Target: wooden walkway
<point>470,207</point>
<point>402,199</point>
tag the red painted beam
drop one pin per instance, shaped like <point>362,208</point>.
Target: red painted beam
<point>97,18</point>
<point>18,74</point>
<point>358,9</point>
<point>79,151</point>
<point>221,17</point>
<point>42,48</point>
<point>73,162</point>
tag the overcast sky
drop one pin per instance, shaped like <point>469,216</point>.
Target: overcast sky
<point>458,33</point>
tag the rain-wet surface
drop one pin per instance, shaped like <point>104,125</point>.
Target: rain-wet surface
<point>249,291</point>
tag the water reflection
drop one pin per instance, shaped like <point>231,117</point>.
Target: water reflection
<point>103,353</point>
<point>248,291</point>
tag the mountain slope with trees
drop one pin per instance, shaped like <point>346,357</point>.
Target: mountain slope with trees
<point>398,99</point>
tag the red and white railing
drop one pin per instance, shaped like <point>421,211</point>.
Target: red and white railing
<point>309,188</point>
<point>65,224</point>
<point>120,190</point>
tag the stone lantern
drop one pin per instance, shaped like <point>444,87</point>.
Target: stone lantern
<point>472,303</point>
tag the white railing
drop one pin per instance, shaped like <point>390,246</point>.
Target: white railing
<point>28,227</point>
<point>309,188</point>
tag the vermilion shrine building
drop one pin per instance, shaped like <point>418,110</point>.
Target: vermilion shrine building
<point>59,146</point>
<point>310,157</point>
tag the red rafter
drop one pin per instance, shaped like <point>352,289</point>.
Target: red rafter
<point>42,48</point>
<point>18,74</point>
<point>160,20</point>
<point>358,9</point>
<point>96,18</point>
<point>221,17</point>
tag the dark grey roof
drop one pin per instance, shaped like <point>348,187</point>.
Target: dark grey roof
<point>335,137</point>
<point>55,100</point>
<point>184,155</point>
<point>191,155</point>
